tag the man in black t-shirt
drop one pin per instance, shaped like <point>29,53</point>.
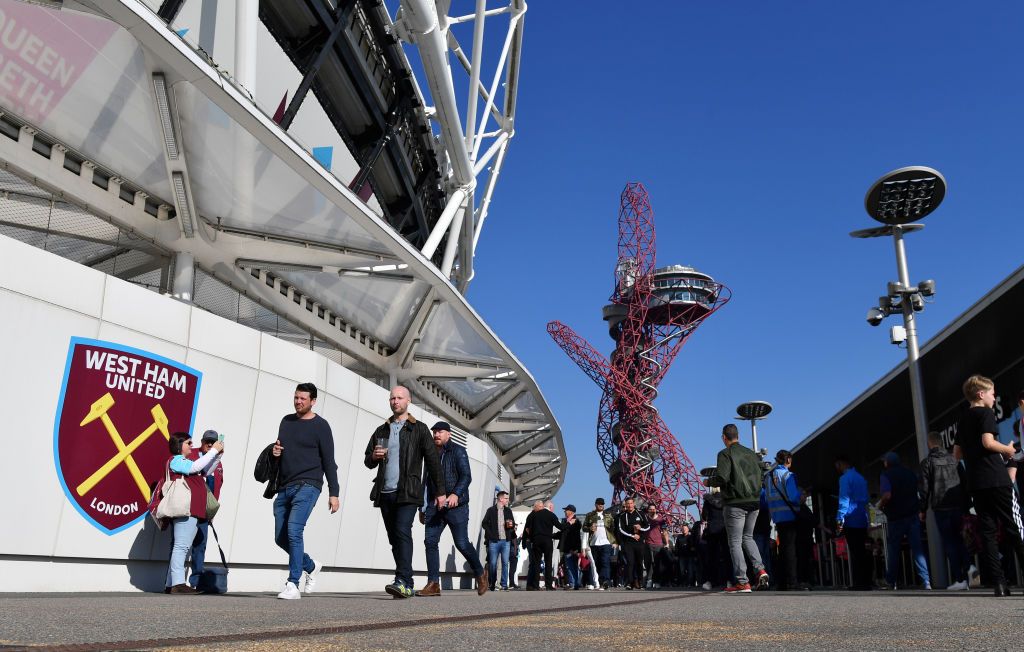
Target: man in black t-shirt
<point>995,498</point>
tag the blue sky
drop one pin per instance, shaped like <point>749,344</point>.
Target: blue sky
<point>757,128</point>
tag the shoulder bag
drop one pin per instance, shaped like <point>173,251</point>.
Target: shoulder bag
<point>177,497</point>
<point>214,580</point>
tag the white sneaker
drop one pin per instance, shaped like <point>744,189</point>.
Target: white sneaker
<point>958,586</point>
<point>590,587</point>
<point>310,577</point>
<point>600,588</point>
<point>706,586</point>
<point>291,592</point>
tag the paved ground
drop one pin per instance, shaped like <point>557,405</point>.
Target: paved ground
<point>564,621</point>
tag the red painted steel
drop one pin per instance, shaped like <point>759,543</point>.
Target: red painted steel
<point>642,456</point>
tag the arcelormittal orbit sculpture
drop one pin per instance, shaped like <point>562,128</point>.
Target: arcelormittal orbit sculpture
<point>652,313</point>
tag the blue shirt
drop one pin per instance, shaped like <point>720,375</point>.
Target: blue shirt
<point>853,500</point>
<point>391,465</point>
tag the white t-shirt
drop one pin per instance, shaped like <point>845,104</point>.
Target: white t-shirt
<point>600,537</point>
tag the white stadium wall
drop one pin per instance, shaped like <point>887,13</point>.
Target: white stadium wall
<point>48,543</point>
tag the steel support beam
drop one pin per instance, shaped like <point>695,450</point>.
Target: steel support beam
<point>307,80</point>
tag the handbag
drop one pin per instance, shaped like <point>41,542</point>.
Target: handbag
<point>156,495</point>
<point>212,505</point>
<point>214,580</point>
<point>177,497</point>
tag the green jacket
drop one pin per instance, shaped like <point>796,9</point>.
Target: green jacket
<point>739,475</point>
<point>609,525</point>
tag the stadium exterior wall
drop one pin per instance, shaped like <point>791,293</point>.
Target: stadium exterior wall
<point>247,383</point>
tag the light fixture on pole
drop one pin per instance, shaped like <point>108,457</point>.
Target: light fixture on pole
<point>753,411</point>
<point>896,200</point>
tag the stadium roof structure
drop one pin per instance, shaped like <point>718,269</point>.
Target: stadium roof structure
<point>152,136</point>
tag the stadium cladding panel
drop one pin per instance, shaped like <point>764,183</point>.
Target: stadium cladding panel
<point>206,203</point>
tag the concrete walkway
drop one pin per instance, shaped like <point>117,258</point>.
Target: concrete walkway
<point>562,620</point>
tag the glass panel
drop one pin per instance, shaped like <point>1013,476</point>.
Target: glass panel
<point>379,306</point>
<point>448,334</point>
<point>473,394</point>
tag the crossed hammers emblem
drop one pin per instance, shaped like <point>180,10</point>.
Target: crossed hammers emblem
<point>99,410</point>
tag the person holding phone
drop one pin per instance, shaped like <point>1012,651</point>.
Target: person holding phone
<point>214,476</point>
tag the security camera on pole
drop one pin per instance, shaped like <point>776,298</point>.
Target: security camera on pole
<point>896,200</point>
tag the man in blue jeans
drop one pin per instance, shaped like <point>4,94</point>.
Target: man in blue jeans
<point>941,490</point>
<point>305,446</point>
<point>454,514</point>
<point>899,501</point>
<point>500,536</point>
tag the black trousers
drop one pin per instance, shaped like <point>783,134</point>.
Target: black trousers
<point>860,558</point>
<point>513,564</point>
<point>787,552</point>
<point>633,551</point>
<point>541,546</point>
<point>999,505</point>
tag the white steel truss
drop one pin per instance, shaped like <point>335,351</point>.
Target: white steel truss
<point>487,127</point>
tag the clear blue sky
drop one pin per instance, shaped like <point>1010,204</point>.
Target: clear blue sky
<point>757,128</point>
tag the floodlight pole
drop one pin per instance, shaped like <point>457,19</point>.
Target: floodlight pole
<point>913,369</point>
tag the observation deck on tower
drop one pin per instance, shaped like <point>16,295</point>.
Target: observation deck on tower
<point>674,289</point>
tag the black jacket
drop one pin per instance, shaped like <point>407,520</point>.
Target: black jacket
<point>940,485</point>
<point>417,446</point>
<point>490,525</point>
<point>713,513</point>
<point>624,526</point>
<point>541,525</point>
<point>571,536</point>
<point>267,469</point>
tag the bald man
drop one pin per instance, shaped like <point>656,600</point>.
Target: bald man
<point>398,449</point>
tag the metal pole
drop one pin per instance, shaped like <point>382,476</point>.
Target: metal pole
<point>753,433</point>
<point>917,399</point>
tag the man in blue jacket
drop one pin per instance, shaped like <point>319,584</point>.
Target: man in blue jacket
<point>782,495</point>
<point>852,521</point>
<point>454,514</point>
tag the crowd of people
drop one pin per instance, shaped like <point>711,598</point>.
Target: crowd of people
<point>756,529</point>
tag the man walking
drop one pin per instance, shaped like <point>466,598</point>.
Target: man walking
<point>601,526</point>
<point>454,514</point>
<point>940,488</point>
<point>852,521</point>
<point>214,480</point>
<point>900,503</point>
<point>305,446</point>
<point>398,449</point>
<point>540,527</point>
<point>738,473</point>
<point>630,526</point>
<point>499,529</point>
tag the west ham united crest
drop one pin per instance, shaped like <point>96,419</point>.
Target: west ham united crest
<point>118,407</point>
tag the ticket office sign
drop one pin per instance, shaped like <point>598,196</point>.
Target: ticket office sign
<point>118,407</point>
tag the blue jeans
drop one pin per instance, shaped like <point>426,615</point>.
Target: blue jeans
<point>184,532</point>
<point>572,569</point>
<point>910,527</point>
<point>603,561</point>
<point>398,523</point>
<point>292,508</point>
<point>457,520</point>
<point>949,523</point>
<point>497,549</point>
<point>198,553</point>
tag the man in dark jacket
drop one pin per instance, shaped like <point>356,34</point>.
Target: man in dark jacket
<point>454,514</point>
<point>739,473</point>
<point>499,528</point>
<point>940,489</point>
<point>398,449</point>
<point>900,503</point>
<point>540,528</point>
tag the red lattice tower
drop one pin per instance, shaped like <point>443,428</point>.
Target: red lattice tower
<point>652,313</point>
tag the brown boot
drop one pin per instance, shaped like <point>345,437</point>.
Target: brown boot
<point>481,583</point>
<point>178,589</point>
<point>430,590</point>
